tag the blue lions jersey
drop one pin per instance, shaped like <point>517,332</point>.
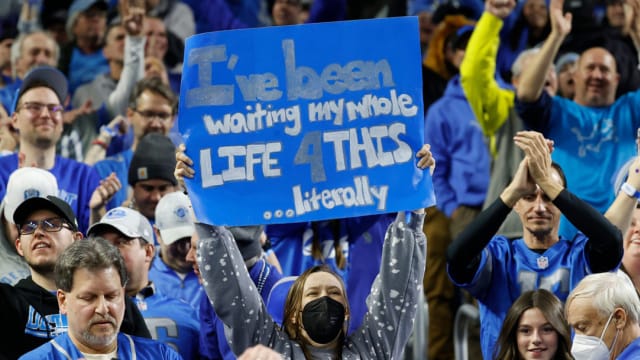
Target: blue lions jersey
<point>509,268</point>
<point>129,347</point>
<point>171,321</point>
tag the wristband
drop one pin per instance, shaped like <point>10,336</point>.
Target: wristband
<point>100,143</point>
<point>108,131</point>
<point>630,190</point>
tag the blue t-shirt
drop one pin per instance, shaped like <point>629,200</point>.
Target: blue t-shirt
<point>509,268</point>
<point>129,347</point>
<point>631,352</point>
<point>167,282</point>
<point>76,183</point>
<point>171,322</point>
<point>83,68</point>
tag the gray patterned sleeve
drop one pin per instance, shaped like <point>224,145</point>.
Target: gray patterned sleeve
<point>234,295</point>
<point>393,300</point>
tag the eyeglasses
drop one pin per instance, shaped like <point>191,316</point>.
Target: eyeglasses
<point>48,225</point>
<point>36,108</point>
<point>150,115</point>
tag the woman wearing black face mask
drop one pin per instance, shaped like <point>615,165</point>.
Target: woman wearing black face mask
<point>317,312</point>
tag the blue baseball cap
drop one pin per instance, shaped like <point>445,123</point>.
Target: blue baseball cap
<point>43,76</point>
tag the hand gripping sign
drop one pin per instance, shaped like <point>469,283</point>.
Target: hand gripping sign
<point>305,122</point>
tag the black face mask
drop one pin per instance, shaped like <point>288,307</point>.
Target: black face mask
<point>323,318</point>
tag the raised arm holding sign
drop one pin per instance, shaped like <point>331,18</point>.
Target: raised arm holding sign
<point>324,125</point>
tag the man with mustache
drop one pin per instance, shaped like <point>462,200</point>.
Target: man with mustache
<point>152,109</point>
<point>29,310</point>
<point>90,277</point>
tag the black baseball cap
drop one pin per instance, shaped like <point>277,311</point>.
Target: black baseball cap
<point>52,203</point>
<point>46,76</point>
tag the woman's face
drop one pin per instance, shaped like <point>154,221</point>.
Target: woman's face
<point>321,284</point>
<point>536,338</point>
<point>536,14</point>
<point>317,285</point>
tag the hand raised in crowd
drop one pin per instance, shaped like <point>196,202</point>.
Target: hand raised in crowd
<point>534,169</point>
<point>68,117</point>
<point>633,177</point>
<point>119,125</point>
<point>632,20</point>
<point>538,151</point>
<point>426,159</point>
<point>132,13</point>
<point>105,191</point>
<point>8,134</point>
<point>499,8</point>
<point>560,22</point>
<point>183,166</point>
<point>522,184</point>
<point>260,352</point>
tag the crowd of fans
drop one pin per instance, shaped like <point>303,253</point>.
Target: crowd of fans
<point>530,112</point>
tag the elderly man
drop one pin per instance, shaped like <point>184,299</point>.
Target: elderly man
<point>90,277</point>
<point>27,52</point>
<point>604,312</point>
<point>496,270</point>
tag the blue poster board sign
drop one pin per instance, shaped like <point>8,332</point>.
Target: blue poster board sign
<point>307,122</point>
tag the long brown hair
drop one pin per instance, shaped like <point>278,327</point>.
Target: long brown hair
<point>551,308</point>
<point>293,307</point>
<point>316,244</point>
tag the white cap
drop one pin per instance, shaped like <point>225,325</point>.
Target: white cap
<point>174,217</point>
<point>25,183</point>
<point>127,221</point>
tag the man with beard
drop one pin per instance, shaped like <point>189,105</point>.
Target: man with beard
<point>496,270</point>
<point>152,109</point>
<point>90,278</point>
<point>29,310</point>
<point>37,115</point>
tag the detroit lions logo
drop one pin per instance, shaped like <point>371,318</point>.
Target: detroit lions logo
<point>31,193</point>
<point>181,212</point>
<point>603,132</point>
<point>46,327</point>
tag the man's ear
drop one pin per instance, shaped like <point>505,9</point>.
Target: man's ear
<point>62,301</point>
<point>150,251</point>
<point>18,244</point>
<point>157,233</point>
<point>619,318</point>
<point>77,236</point>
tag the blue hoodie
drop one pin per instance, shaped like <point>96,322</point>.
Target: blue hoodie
<point>458,144</point>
